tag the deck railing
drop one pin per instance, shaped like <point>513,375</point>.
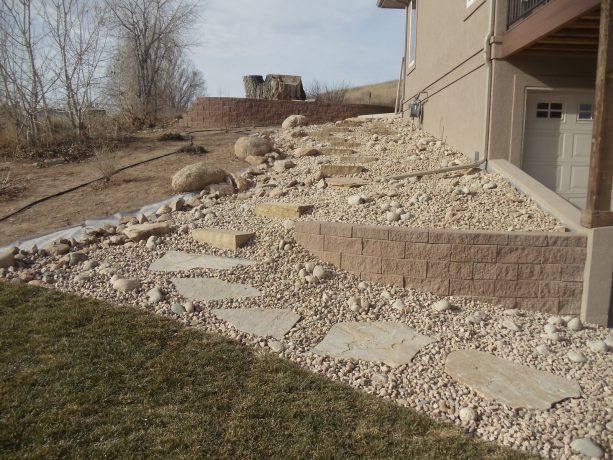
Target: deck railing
<point>519,9</point>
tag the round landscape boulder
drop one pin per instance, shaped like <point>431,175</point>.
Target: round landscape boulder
<point>294,121</point>
<point>195,177</point>
<point>252,146</point>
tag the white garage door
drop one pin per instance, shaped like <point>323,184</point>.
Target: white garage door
<point>557,141</point>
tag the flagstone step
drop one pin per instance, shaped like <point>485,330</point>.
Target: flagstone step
<point>256,321</point>
<point>507,382</point>
<point>222,239</point>
<point>394,344</point>
<point>341,170</point>
<point>174,261</point>
<point>206,289</point>
<point>282,210</point>
<point>345,182</point>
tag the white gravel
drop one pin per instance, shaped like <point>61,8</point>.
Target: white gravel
<point>289,277</point>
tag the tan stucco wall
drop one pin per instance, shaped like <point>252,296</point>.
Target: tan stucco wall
<point>455,104</point>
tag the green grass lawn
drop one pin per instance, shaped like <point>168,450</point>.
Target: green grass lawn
<point>80,378</point>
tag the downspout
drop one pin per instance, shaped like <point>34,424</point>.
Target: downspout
<point>403,79</point>
<point>488,87</point>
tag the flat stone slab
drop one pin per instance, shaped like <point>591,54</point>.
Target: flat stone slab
<point>174,261</point>
<point>222,239</point>
<point>205,289</point>
<point>143,231</point>
<point>357,160</point>
<point>341,170</point>
<point>281,210</point>
<point>507,382</point>
<point>336,151</point>
<point>345,182</point>
<point>273,322</point>
<point>394,344</point>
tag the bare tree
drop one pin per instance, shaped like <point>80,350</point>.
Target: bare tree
<point>75,29</point>
<point>179,84</point>
<point>324,92</point>
<point>22,58</point>
<point>153,31</point>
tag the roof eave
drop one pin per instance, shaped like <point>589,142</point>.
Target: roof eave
<point>395,4</point>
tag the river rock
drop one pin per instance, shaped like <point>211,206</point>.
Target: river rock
<point>575,324</point>
<point>126,285</point>
<point>155,295</point>
<point>587,447</point>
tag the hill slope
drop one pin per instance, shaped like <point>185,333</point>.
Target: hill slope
<point>378,94</point>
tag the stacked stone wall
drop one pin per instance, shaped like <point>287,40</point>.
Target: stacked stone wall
<point>532,271</point>
<point>224,112</point>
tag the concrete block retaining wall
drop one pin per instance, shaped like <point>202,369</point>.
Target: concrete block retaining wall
<point>532,271</point>
<point>225,112</point>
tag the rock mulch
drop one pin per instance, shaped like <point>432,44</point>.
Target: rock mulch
<point>318,297</point>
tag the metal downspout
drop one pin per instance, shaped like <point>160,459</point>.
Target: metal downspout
<point>403,79</point>
<point>489,64</point>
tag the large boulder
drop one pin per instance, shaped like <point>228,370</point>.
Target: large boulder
<point>195,177</point>
<point>7,259</point>
<point>294,121</point>
<point>252,146</point>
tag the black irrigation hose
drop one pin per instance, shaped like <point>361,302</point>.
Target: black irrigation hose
<point>85,184</point>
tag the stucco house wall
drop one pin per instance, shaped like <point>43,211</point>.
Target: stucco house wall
<point>452,76</point>
<point>452,79</point>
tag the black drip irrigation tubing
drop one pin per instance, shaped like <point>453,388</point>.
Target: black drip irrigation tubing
<point>85,184</point>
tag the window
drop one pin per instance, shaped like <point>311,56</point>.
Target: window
<point>585,112</point>
<point>412,30</point>
<point>553,110</point>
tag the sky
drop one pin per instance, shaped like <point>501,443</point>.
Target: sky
<point>329,40</point>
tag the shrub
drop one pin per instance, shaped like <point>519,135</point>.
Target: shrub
<point>193,149</point>
<point>9,186</point>
<point>171,137</point>
<point>106,161</point>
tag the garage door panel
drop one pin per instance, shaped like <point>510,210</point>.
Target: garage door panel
<point>582,143</point>
<point>578,178</point>
<point>548,145</point>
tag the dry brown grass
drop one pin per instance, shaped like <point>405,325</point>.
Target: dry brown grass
<point>378,94</point>
<point>106,161</point>
<point>9,185</point>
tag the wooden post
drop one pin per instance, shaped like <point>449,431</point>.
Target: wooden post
<point>597,212</point>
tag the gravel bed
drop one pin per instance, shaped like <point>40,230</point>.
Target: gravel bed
<point>280,274</point>
<point>454,200</point>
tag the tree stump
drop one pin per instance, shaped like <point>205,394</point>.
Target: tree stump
<point>253,86</point>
